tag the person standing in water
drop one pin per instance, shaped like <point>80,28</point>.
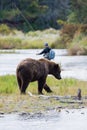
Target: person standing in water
<point>45,51</point>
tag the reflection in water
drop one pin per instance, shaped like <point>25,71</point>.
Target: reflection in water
<point>64,120</point>
<point>73,66</point>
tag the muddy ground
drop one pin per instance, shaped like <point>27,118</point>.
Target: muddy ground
<point>34,104</point>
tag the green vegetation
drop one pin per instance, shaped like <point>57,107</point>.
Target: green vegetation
<point>8,85</point>
<point>32,15</point>
<point>71,36</point>
<point>18,40</point>
<point>20,13</point>
<point>12,101</point>
<point>78,12</point>
<point>74,38</point>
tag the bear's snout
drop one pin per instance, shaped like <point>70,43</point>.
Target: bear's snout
<point>58,76</point>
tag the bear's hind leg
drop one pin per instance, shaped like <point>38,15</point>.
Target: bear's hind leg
<point>47,88</point>
<point>24,86</point>
<point>20,82</point>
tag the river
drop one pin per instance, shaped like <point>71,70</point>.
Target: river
<point>72,66</point>
<point>64,120</point>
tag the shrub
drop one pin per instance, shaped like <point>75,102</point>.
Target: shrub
<point>78,46</point>
<point>69,29</point>
<point>83,29</point>
<point>4,29</point>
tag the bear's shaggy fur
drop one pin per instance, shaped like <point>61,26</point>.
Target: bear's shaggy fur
<point>30,70</point>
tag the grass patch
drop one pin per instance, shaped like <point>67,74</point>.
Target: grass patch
<point>67,86</point>
<point>12,101</point>
<point>31,40</point>
<point>71,36</point>
<point>8,85</point>
<point>78,46</point>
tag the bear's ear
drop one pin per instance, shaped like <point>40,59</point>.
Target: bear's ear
<point>56,66</point>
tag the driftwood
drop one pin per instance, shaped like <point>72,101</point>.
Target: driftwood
<point>79,94</point>
<point>48,97</point>
<point>62,99</point>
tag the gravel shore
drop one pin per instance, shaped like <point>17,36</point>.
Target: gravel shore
<point>33,104</point>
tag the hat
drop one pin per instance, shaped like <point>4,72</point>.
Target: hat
<point>46,44</point>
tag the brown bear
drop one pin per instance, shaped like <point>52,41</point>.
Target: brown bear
<point>30,70</point>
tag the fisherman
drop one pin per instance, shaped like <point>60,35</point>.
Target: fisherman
<point>45,51</point>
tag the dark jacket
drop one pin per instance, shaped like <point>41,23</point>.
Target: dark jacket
<point>45,52</point>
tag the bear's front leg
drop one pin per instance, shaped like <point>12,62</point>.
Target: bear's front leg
<point>41,83</point>
<point>47,88</point>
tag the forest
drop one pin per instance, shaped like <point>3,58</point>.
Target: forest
<point>41,14</point>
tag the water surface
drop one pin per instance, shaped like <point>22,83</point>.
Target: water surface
<point>64,120</point>
<point>73,66</point>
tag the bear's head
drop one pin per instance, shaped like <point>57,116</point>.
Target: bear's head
<point>56,71</point>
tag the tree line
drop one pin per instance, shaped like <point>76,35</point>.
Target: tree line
<point>40,14</point>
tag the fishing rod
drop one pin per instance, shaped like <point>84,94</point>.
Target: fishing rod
<point>21,13</point>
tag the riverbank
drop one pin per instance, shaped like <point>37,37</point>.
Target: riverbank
<point>26,104</point>
<point>64,95</point>
<point>30,40</point>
